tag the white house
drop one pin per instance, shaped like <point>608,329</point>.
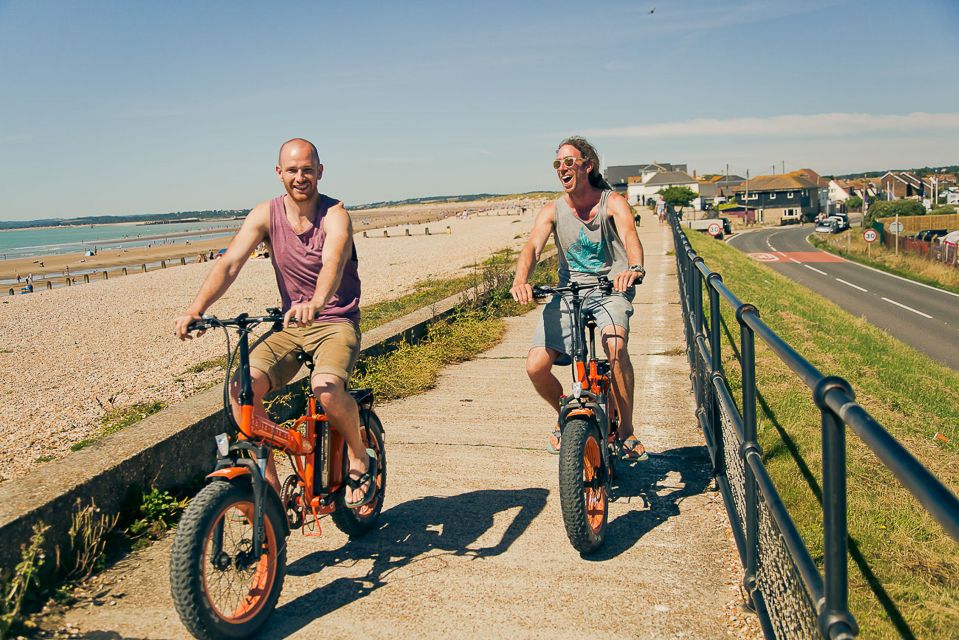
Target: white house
<point>641,189</point>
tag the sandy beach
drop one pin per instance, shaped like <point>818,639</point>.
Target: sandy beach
<point>70,354</point>
<point>173,247</point>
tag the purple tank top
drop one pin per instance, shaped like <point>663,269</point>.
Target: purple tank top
<point>297,259</point>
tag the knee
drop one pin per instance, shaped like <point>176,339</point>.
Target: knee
<point>615,347</point>
<point>538,365</point>
<point>330,392</point>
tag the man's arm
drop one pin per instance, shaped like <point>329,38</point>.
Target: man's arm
<point>521,291</point>
<point>337,249</point>
<point>254,230</point>
<point>626,227</point>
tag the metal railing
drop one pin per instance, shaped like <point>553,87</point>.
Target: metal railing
<point>784,585</point>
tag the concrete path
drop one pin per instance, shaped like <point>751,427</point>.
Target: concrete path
<point>472,542</point>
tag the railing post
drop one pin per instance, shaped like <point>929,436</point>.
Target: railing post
<point>748,364</point>
<point>716,363</point>
<point>835,620</point>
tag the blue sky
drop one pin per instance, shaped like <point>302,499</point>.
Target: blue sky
<point>132,107</point>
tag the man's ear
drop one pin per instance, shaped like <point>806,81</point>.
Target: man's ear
<point>319,171</point>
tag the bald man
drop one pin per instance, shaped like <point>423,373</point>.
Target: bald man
<point>310,239</point>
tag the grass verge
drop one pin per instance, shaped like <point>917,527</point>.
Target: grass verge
<point>904,569</point>
<point>909,266</point>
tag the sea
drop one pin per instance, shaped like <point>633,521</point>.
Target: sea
<point>23,243</point>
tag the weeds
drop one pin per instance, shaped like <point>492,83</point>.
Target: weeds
<point>214,363</point>
<point>119,418</point>
<point>88,533</point>
<point>25,579</point>
<point>159,511</point>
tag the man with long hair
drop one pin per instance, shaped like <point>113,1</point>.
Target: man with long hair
<point>595,236</point>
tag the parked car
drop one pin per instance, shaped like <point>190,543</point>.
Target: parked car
<point>827,226</point>
<point>926,235</point>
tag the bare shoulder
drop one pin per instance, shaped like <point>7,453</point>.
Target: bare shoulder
<point>618,203</point>
<point>547,214</point>
<point>337,218</point>
<point>259,216</point>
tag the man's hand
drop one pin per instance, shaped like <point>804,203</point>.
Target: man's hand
<point>302,313</point>
<point>625,279</point>
<point>181,325</point>
<point>522,293</point>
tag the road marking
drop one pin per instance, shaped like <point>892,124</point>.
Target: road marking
<point>854,286</point>
<point>815,269</point>
<point>899,304</point>
<point>796,261</point>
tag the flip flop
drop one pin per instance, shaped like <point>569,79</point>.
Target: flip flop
<point>368,477</point>
<point>553,443</point>
<point>632,449</point>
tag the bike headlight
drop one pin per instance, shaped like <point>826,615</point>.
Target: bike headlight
<point>223,444</point>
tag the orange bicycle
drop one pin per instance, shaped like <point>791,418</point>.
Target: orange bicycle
<point>589,423</point>
<point>229,555</point>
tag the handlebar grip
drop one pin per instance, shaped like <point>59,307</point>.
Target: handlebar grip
<point>540,292</point>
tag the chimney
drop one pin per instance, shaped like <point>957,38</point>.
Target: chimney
<point>694,174</point>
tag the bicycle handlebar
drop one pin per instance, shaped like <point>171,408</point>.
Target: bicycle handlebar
<point>603,282</point>
<point>243,320</point>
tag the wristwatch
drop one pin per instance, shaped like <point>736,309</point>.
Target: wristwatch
<point>638,268</point>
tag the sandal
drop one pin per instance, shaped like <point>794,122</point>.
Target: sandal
<point>553,442</point>
<point>368,478</point>
<point>632,449</point>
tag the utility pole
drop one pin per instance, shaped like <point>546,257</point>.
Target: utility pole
<point>784,167</point>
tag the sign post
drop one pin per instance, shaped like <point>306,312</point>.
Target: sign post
<point>870,236</point>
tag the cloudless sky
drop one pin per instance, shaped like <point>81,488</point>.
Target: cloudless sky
<point>117,107</point>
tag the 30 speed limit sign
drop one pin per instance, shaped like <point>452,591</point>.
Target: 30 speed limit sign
<point>714,229</point>
<point>870,235</point>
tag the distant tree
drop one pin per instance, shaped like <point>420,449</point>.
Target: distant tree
<point>854,203</point>
<point>678,196</point>
<point>890,208</point>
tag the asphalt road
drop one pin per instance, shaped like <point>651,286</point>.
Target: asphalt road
<point>923,317</point>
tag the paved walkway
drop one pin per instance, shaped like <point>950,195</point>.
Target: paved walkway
<point>472,542</point>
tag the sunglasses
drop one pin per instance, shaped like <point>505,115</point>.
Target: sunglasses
<point>567,162</point>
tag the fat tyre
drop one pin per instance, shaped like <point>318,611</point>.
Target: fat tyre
<point>361,520</point>
<point>186,562</point>
<point>585,525</point>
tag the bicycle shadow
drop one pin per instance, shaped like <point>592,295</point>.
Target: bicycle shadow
<point>662,482</point>
<point>451,525</point>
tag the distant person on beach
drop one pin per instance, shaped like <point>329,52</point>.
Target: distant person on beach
<point>595,235</point>
<point>310,239</point>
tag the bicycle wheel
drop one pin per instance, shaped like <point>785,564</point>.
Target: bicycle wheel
<point>230,592</point>
<point>582,485</point>
<point>360,520</point>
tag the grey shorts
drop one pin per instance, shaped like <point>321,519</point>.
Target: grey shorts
<point>555,328</point>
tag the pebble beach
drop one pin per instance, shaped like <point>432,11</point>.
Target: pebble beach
<point>70,355</point>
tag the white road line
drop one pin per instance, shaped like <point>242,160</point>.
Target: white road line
<point>854,286</point>
<point>794,260</point>
<point>899,304</point>
<point>815,269</point>
<point>892,275</point>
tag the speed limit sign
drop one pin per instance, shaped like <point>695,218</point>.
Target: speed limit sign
<point>714,229</point>
<point>870,235</point>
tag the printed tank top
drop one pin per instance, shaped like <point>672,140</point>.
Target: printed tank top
<point>298,258</point>
<point>587,249</point>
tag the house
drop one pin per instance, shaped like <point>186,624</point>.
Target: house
<point>785,197</point>
<point>618,176</point>
<point>839,192</point>
<point>640,192</point>
<point>897,185</point>
<point>716,189</point>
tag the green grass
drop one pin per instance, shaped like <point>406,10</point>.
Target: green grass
<point>478,326</point>
<point>119,418</point>
<point>206,365</point>
<point>899,550</point>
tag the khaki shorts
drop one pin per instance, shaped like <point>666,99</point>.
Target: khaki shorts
<point>334,347</point>
<point>555,328</point>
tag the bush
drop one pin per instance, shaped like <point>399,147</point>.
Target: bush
<point>891,208</point>
<point>678,196</point>
<point>854,203</point>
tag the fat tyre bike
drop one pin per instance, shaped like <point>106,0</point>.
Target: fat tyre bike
<point>228,559</point>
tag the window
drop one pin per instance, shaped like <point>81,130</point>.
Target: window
<point>789,195</point>
<point>772,196</point>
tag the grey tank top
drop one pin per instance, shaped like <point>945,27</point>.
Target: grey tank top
<point>587,250</point>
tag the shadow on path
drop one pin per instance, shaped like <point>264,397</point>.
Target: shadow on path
<point>430,527</point>
<point>660,484</point>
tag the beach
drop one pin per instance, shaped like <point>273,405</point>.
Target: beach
<point>71,354</point>
<point>173,247</point>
